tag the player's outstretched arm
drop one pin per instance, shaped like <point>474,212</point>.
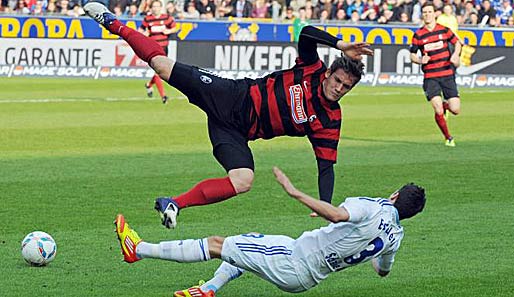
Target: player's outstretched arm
<point>322,208</point>
<point>311,36</point>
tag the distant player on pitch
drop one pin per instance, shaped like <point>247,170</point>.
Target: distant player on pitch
<point>438,65</point>
<point>362,229</point>
<point>158,26</point>
<point>302,101</point>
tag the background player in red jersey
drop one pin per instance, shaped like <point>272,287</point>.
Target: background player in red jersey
<point>438,65</point>
<point>301,101</point>
<point>158,25</point>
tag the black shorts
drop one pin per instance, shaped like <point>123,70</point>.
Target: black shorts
<point>227,105</point>
<point>434,86</point>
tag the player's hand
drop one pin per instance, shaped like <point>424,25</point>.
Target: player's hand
<point>284,181</point>
<point>455,60</point>
<point>425,59</point>
<point>356,50</point>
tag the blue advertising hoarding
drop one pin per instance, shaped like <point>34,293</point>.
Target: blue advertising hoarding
<point>85,28</point>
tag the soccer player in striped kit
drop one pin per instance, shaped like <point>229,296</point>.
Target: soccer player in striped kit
<point>302,101</point>
<point>438,65</point>
<point>361,229</point>
<point>158,26</point>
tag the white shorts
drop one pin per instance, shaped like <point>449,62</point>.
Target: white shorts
<point>268,256</point>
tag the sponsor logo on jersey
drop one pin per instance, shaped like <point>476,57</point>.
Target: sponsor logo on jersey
<point>205,79</point>
<point>434,46</point>
<point>297,109</point>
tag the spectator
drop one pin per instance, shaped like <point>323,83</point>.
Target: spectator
<point>504,12</point>
<point>416,12</point>
<point>121,3</point>
<point>355,17</point>
<point>487,14</point>
<point>191,12</point>
<point>370,4</point>
<point>323,17</point>
<point>22,8</point>
<point>205,6</point>
<point>369,15</point>
<point>309,10</point>
<point>117,11</point>
<point>132,12</point>
<point>289,16</point>
<point>357,6</point>
<point>76,11</point>
<point>404,18</point>
<point>323,5</point>
<point>510,21</point>
<point>274,10</point>
<point>171,10</point>
<point>242,8</point>
<point>472,19</point>
<point>338,4</point>
<point>299,22</point>
<point>448,19</point>
<point>260,10</point>
<point>340,15</point>
<point>469,9</point>
<point>224,9</point>
<point>37,9</point>
<point>51,8</point>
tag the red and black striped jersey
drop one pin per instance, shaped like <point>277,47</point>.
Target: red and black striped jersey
<point>435,44</point>
<point>291,102</point>
<point>156,26</point>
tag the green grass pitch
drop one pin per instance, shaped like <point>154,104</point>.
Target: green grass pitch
<point>74,153</point>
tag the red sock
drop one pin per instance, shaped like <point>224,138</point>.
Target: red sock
<point>151,82</point>
<point>207,192</point>
<point>441,122</point>
<point>144,47</point>
<point>158,82</point>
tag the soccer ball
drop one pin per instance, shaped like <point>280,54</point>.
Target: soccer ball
<point>38,248</point>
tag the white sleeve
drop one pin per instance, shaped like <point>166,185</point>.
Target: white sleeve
<point>356,209</point>
<point>385,261</point>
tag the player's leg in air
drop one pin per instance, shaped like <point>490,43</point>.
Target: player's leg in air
<point>244,251</point>
<point>214,95</point>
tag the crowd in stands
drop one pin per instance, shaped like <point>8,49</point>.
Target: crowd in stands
<point>487,13</point>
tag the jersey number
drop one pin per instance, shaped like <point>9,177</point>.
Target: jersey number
<point>372,249</point>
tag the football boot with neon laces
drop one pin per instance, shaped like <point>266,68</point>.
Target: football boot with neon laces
<point>128,239</point>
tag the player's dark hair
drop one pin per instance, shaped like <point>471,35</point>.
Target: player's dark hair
<point>429,3</point>
<point>410,201</point>
<point>353,67</point>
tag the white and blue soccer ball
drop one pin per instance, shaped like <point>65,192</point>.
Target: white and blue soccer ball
<point>38,248</point>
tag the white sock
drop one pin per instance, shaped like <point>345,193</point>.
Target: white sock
<point>190,250</point>
<point>223,275</point>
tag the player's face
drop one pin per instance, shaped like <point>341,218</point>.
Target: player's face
<point>428,15</point>
<point>156,8</point>
<point>337,84</point>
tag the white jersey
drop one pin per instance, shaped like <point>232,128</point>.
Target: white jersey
<point>372,231</point>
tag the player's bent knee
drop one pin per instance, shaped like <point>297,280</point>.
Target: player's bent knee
<point>163,66</point>
<point>242,179</point>
<point>215,246</point>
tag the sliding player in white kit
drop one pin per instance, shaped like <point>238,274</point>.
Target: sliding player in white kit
<point>362,229</point>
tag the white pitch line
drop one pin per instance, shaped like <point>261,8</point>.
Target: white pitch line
<point>60,100</point>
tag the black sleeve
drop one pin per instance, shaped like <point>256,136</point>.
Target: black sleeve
<point>308,43</point>
<point>325,180</point>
